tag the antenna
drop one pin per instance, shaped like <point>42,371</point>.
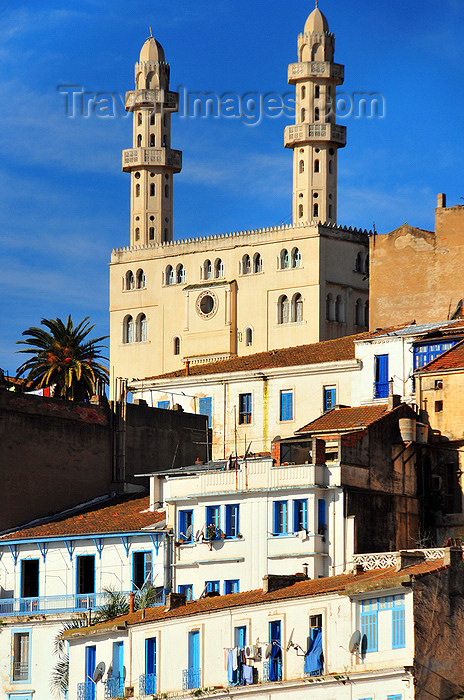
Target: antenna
<point>99,671</point>
<point>290,642</point>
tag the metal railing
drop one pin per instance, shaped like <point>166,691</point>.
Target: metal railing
<point>114,687</point>
<point>54,603</point>
<point>147,684</point>
<point>20,671</point>
<point>191,678</point>
<point>267,671</point>
<point>86,690</point>
<point>381,390</point>
<point>385,560</point>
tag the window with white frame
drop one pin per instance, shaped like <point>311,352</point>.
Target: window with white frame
<point>386,612</point>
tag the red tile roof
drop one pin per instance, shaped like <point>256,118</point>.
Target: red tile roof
<point>326,351</point>
<point>377,579</point>
<point>344,419</point>
<point>450,359</point>
<point>122,514</point>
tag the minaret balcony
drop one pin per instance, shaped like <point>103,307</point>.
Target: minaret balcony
<point>165,99</point>
<point>315,133</point>
<point>316,69</point>
<point>133,158</point>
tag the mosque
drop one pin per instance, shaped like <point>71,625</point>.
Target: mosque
<point>174,303</point>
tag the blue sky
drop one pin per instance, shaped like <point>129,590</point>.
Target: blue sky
<point>64,202</point>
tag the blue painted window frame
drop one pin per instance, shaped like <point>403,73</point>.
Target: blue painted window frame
<point>147,567</point>
<point>213,586</point>
<point>369,620</point>
<point>231,586</point>
<point>232,520</point>
<point>185,520</point>
<point>300,514</point>
<point>164,404</point>
<point>394,697</point>
<point>330,398</point>
<point>213,516</point>
<point>286,405</point>
<point>23,631</point>
<point>186,589</point>
<point>426,352</point>
<point>321,517</point>
<point>244,409</point>
<point>240,636</point>
<point>206,408</point>
<point>381,380</point>
<point>280,518</point>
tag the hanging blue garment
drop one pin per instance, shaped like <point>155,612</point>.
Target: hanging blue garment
<point>230,667</point>
<point>274,663</point>
<point>248,674</point>
<point>313,658</point>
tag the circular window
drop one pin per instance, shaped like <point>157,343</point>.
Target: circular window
<point>317,150</point>
<point>207,304</point>
<point>137,218</point>
<point>331,151</point>
<point>152,218</point>
<point>315,195</point>
<point>152,174</point>
<point>137,175</point>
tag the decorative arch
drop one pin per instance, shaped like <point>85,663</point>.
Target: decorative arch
<point>257,263</point>
<point>141,328</point>
<point>169,275</point>
<point>330,308</point>
<point>128,330</point>
<point>180,274</point>
<point>246,264</point>
<point>297,308</point>
<point>359,313</point>
<point>296,257</point>
<point>207,270</point>
<point>176,345</point>
<point>249,336</point>
<point>284,259</point>
<point>140,280</point>
<point>218,268</point>
<point>340,309</point>
<point>130,280</point>
<point>283,309</point>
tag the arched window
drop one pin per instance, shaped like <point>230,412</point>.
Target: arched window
<point>152,120</point>
<point>359,313</point>
<point>137,190</point>
<point>283,309</point>
<point>166,234</point>
<point>330,167</point>
<point>284,259</point>
<point>300,211</point>
<point>130,281</point>
<point>297,308</point>
<point>317,92</point>
<point>137,234</point>
<point>152,233</point>
<point>330,211</point>
<point>139,118</point>
<point>330,308</point>
<point>141,328</point>
<point>296,258</point>
<point>166,190</point>
<point>316,210</point>
<point>358,264</point>
<point>301,166</point>
<point>248,337</point>
<point>316,165</point>
<point>152,189</point>
<point>303,92</point>
<point>339,309</point>
<point>128,335</point>
<point>366,314</point>
<point>316,114</point>
<point>303,114</point>
<point>180,274</point>
<point>257,263</point>
<point>140,279</point>
<point>219,268</point>
<point>366,264</point>
<point>176,346</point>
<point>207,270</point>
<point>152,140</point>
<point>169,275</point>
<point>139,140</point>
<point>246,265</point>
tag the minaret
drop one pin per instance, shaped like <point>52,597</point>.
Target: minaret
<point>151,162</point>
<point>315,137</point>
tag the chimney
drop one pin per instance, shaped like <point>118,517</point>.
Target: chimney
<point>274,582</point>
<point>187,368</point>
<point>453,557</point>
<point>131,601</point>
<point>405,559</point>
<point>175,600</point>
<point>441,201</point>
<point>358,569</point>
<point>394,401</point>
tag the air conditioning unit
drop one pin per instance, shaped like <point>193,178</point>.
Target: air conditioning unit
<point>253,652</point>
<point>129,691</point>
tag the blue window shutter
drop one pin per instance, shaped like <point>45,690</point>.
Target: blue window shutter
<point>321,515</point>
<point>194,650</point>
<point>381,377</point>
<point>286,405</point>
<point>164,404</point>
<point>369,629</point>
<point>330,399</point>
<point>206,408</point>
<point>148,568</point>
<point>398,621</point>
<point>240,639</point>
<point>150,656</point>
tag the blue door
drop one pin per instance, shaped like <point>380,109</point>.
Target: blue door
<point>381,377</point>
<point>147,684</point>
<point>275,661</point>
<point>90,663</point>
<point>206,408</point>
<point>194,660</point>
<point>321,517</point>
<point>118,668</point>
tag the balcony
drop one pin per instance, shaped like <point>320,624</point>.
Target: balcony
<point>167,100</point>
<point>307,133</point>
<point>316,69</point>
<point>381,390</point>
<point>53,604</point>
<point>147,684</point>
<point>114,687</point>
<point>138,157</point>
<point>191,678</point>
<point>86,690</point>
<point>20,671</point>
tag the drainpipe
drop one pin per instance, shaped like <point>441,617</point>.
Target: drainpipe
<point>131,602</point>
<point>168,561</point>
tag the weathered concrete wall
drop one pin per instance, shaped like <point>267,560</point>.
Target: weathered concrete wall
<point>56,454</point>
<point>439,629</point>
<point>417,274</point>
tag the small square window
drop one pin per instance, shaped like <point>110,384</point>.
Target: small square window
<point>438,406</point>
<point>315,621</point>
<point>244,409</point>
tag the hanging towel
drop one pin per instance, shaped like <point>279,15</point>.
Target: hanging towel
<point>248,674</point>
<point>235,653</point>
<point>226,659</point>
<point>230,667</point>
<point>314,658</point>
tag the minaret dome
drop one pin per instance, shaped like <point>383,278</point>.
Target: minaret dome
<point>316,22</point>
<point>152,51</point>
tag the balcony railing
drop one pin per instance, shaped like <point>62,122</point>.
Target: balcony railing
<point>147,684</point>
<point>191,678</point>
<point>381,390</point>
<point>20,671</point>
<point>52,604</point>
<point>86,690</point>
<point>114,687</point>
<point>272,670</point>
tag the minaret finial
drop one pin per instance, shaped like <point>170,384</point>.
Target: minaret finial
<point>317,4</point>
<point>151,33</point>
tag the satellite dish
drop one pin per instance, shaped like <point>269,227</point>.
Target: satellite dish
<point>354,641</point>
<point>189,532</point>
<point>99,671</point>
<point>268,650</point>
<point>364,645</point>
<point>110,671</point>
<point>290,642</point>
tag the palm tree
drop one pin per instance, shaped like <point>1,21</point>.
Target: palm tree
<point>63,357</point>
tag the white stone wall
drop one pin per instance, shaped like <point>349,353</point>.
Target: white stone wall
<point>400,367</point>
